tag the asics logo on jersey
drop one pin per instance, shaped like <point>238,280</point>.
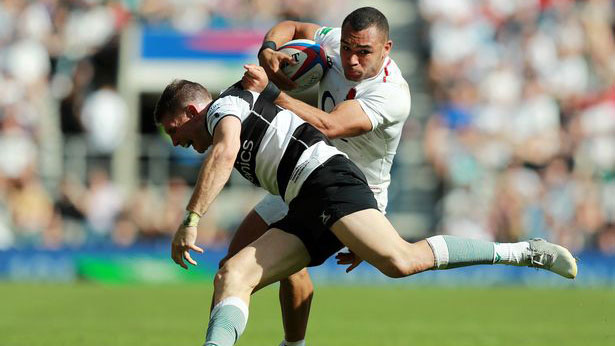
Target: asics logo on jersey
<point>243,159</point>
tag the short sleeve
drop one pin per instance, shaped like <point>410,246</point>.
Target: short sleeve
<point>328,38</point>
<point>225,106</point>
<point>386,103</point>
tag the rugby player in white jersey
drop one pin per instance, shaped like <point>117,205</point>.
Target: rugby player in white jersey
<point>363,102</point>
<point>330,203</point>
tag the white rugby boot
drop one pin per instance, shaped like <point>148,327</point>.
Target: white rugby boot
<point>552,257</point>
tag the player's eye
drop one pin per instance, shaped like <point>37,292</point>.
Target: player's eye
<point>345,48</point>
<point>364,52</point>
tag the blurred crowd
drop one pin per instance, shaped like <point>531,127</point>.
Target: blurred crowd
<point>58,97</point>
<point>523,135</point>
<point>522,140</point>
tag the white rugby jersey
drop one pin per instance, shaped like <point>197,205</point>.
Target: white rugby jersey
<point>278,149</point>
<point>385,98</point>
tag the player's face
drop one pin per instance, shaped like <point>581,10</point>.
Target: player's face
<point>363,52</point>
<point>187,129</point>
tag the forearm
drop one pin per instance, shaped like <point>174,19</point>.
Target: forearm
<point>318,118</point>
<point>214,173</point>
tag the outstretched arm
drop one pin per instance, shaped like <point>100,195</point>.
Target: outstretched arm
<point>218,165</point>
<point>214,173</point>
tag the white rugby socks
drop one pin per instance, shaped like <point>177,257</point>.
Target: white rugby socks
<point>452,252</point>
<point>227,322</point>
<point>515,254</point>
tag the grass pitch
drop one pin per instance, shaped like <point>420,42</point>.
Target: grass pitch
<point>88,314</point>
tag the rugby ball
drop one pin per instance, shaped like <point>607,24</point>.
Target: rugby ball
<point>310,66</point>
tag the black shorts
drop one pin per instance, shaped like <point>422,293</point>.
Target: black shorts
<point>334,190</point>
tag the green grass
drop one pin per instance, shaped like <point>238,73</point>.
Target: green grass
<point>88,314</point>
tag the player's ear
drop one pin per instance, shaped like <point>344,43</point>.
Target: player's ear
<point>191,111</point>
<point>388,45</point>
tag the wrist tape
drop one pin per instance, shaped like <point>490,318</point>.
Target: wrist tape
<point>191,219</point>
<point>271,92</point>
<point>267,44</point>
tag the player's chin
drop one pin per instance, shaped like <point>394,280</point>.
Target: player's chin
<point>353,76</point>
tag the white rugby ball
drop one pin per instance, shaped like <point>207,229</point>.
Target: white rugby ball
<point>310,66</point>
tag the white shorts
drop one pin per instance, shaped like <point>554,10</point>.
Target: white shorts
<point>271,208</point>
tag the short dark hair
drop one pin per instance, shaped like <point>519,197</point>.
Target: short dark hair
<point>177,95</point>
<point>364,17</point>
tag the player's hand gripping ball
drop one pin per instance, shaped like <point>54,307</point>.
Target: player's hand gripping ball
<point>310,63</point>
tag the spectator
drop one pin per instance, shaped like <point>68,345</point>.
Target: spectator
<point>524,109</point>
<point>103,203</point>
<point>104,117</point>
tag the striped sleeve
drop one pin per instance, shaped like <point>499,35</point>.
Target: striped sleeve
<point>225,106</point>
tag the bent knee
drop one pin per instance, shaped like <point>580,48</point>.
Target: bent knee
<point>299,280</point>
<point>234,275</point>
<point>301,277</point>
<point>231,252</point>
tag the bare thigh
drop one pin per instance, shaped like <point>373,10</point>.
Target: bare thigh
<point>370,235</point>
<point>250,229</point>
<point>270,258</point>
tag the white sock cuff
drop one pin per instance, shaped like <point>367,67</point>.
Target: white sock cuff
<point>293,343</point>
<point>234,301</point>
<point>440,250</point>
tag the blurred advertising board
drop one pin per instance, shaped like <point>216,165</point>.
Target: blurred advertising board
<point>148,265</point>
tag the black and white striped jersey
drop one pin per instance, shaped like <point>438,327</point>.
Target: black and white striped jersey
<point>278,149</point>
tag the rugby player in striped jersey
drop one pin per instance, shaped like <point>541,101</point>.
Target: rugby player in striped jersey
<point>330,204</point>
<point>363,102</point>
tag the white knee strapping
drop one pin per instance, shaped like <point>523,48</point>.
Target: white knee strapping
<point>234,301</point>
<point>440,250</point>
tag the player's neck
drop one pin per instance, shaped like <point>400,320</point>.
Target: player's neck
<point>383,64</point>
<point>206,108</point>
